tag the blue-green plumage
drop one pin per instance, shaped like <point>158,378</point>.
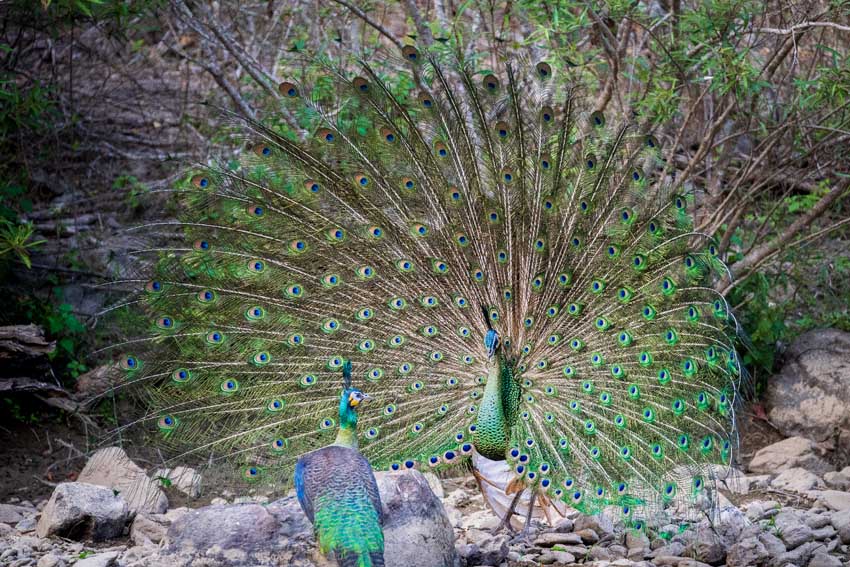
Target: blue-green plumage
<point>338,492</point>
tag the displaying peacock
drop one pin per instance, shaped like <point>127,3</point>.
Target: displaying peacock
<point>510,274</point>
<point>338,493</point>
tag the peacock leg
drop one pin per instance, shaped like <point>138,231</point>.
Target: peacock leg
<point>505,524</point>
<point>526,529</point>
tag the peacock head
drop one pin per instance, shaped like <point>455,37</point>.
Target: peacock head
<point>350,399</point>
<point>492,342</point>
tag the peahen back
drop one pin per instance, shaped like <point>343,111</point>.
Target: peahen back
<point>382,235</point>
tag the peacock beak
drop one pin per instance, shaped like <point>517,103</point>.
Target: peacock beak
<point>366,398</point>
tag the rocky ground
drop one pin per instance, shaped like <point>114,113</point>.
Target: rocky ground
<point>792,510</point>
<point>788,506</point>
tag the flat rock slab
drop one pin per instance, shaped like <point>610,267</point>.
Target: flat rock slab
<point>83,512</point>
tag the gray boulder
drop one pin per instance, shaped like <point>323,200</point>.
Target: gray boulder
<point>83,512</point>
<point>811,393</point>
<point>416,528</point>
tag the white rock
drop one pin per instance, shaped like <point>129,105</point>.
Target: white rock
<point>832,499</point>
<point>109,559</point>
<point>50,560</point>
<point>786,454</point>
<point>185,479</point>
<point>111,467</point>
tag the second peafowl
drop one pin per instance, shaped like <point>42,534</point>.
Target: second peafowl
<point>337,490</point>
<point>512,274</point>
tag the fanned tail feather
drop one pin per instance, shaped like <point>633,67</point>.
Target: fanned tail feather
<point>378,238</point>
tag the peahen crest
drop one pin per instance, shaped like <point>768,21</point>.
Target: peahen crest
<point>400,233</point>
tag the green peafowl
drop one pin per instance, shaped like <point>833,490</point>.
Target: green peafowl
<point>513,275</point>
<point>338,492</point>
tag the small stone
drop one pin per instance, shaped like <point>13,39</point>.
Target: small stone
<point>707,546</point>
<point>600,523</point>
<point>672,549</point>
<point>50,560</point>
<point>147,531</point>
<point>185,479</point>
<point>100,560</point>
<point>26,525</point>
<point>837,481</point>
<point>826,532</point>
<point>816,521</point>
<point>588,536</point>
<point>821,559</point>
<point>746,553</point>
<point>772,544</point>
<point>799,555</point>
<point>552,538</point>
<point>599,553</point>
<point>832,499</point>
<point>218,502</point>
<point>565,525</point>
<point>6,529</point>
<point>841,522</point>
<point>12,514</point>
<point>797,480</point>
<point>792,529</point>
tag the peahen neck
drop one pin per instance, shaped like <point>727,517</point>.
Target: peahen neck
<point>347,434</point>
<point>497,411</point>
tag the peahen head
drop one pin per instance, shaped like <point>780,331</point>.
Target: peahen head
<point>350,400</point>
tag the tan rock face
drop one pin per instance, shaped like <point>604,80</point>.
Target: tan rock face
<point>794,452</point>
<point>810,396</point>
<point>112,468</point>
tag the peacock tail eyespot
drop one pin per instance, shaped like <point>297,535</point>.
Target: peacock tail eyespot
<point>507,175</point>
<point>167,423</point>
<point>261,358</point>
<point>326,423</point>
<point>418,230</point>
<point>206,296</point>
<point>441,149</point>
<point>165,322</point>
<point>288,89</point>
<point>544,70</point>
<point>200,181</point>
<point>597,119</point>
<point>334,363</point>
<point>330,281</point>
<point>275,405</point>
<point>256,211</point>
<point>490,83</point>
<point>181,376</point>
<point>312,186</point>
<point>203,245</point>
<point>294,291</point>
<point>326,135</point>
<point>129,362</point>
<point>360,84</point>
<point>154,286</point>
<point>502,130</point>
<point>365,272</point>
<point>256,266</point>
<point>229,386</point>
<point>425,100</point>
<point>410,53</point>
<point>262,150</point>
<point>589,163</point>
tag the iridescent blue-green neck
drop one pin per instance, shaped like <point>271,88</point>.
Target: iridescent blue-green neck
<point>497,412</point>
<point>347,434</point>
